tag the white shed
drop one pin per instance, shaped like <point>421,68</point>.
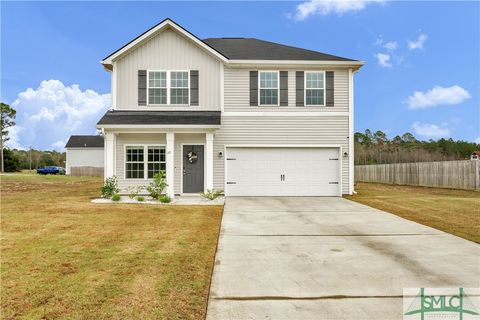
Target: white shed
<point>84,156</point>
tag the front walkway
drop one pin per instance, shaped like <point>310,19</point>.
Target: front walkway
<point>328,258</point>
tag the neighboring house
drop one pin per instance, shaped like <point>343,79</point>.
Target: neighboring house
<point>250,117</point>
<point>84,155</point>
<point>475,155</point>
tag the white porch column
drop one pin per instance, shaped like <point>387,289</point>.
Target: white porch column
<point>170,165</point>
<point>209,159</point>
<point>109,157</point>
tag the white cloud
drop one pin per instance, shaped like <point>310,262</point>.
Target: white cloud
<point>392,45</point>
<point>431,130</point>
<point>418,44</point>
<point>477,140</point>
<point>325,7</point>
<point>48,115</point>
<point>383,60</point>
<point>438,96</point>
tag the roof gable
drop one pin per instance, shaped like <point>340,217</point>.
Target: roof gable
<point>152,32</point>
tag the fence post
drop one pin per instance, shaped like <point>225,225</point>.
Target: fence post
<point>477,174</point>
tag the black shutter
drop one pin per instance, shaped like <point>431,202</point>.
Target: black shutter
<point>142,87</point>
<point>330,97</point>
<point>254,88</point>
<point>194,87</point>
<point>284,88</point>
<point>299,92</point>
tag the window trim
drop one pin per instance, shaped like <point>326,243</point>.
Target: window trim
<point>278,88</point>
<point>305,89</point>
<point>168,87</point>
<point>145,159</point>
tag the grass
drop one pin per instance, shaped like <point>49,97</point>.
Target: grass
<point>453,211</point>
<point>66,258</point>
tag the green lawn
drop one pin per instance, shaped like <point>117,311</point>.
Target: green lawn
<point>63,257</point>
<point>453,211</point>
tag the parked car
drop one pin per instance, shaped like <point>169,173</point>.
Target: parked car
<point>51,170</point>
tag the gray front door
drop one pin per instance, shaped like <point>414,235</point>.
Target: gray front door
<point>192,168</point>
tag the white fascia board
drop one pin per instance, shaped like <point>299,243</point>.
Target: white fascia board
<point>315,63</point>
<point>156,127</point>
<point>299,113</point>
<point>148,34</point>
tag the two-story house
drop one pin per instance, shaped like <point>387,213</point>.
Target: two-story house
<point>250,117</point>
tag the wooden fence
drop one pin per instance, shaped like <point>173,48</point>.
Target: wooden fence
<point>461,174</point>
<point>87,171</point>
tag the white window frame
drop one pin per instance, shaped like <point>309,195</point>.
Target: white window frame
<point>145,159</point>
<point>168,72</point>
<point>305,89</point>
<point>148,87</point>
<point>278,88</point>
<point>170,87</point>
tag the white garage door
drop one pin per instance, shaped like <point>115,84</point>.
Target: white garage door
<point>282,172</point>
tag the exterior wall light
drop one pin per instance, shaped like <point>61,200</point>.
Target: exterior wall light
<point>220,154</point>
<point>345,154</point>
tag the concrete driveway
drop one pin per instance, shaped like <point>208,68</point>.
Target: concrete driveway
<point>328,258</point>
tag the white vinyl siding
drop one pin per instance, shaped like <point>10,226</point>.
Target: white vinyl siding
<point>237,91</point>
<point>167,51</point>
<point>84,157</point>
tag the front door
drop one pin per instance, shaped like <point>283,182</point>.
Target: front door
<point>193,167</point>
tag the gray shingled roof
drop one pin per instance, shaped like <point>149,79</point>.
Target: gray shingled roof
<point>121,117</point>
<point>255,49</point>
<point>85,142</point>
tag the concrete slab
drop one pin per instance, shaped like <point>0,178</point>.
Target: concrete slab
<point>336,259</point>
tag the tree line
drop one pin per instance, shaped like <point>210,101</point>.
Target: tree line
<point>376,148</point>
<point>13,159</point>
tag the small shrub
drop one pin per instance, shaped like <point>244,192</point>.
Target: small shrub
<point>110,187</point>
<point>140,198</point>
<point>211,194</point>
<point>156,187</point>
<point>134,191</point>
<point>165,199</point>
<point>116,197</point>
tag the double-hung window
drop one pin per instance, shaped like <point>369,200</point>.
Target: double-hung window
<point>157,87</point>
<point>315,88</point>
<point>168,87</point>
<point>134,162</point>
<point>179,87</point>
<point>144,161</point>
<point>268,87</point>
<point>156,160</point>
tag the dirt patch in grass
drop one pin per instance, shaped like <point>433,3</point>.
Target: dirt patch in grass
<point>453,211</point>
<point>64,257</point>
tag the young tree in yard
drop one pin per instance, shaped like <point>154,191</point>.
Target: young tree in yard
<point>7,121</point>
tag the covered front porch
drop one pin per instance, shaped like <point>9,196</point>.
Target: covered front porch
<point>140,144</point>
<point>186,158</point>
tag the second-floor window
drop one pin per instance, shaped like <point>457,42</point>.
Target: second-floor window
<point>268,88</point>
<point>168,87</point>
<point>314,88</point>
<point>157,87</point>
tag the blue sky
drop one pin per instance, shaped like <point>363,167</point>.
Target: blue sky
<point>422,71</point>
